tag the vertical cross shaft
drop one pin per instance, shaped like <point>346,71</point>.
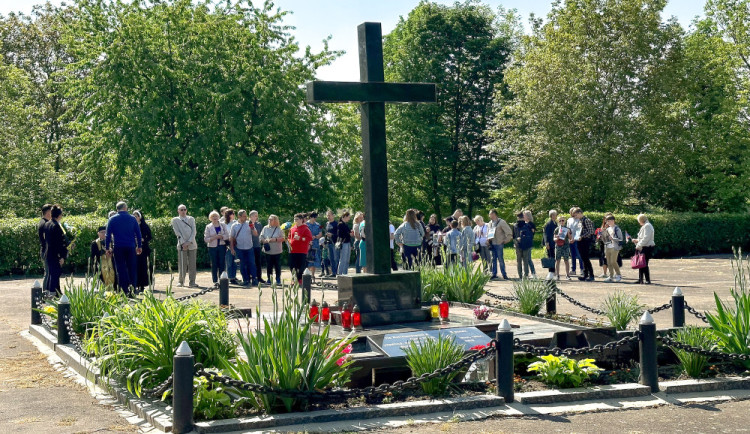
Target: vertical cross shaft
<point>374,155</point>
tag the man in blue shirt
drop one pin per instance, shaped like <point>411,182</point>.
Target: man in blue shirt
<point>124,231</point>
<point>241,245</point>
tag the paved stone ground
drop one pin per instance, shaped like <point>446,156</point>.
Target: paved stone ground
<point>34,397</point>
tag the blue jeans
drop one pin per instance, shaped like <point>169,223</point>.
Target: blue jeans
<point>247,265</point>
<point>345,255</point>
<point>357,266</point>
<point>217,255</point>
<point>497,256</point>
<point>409,256</point>
<point>334,258</point>
<point>575,254</point>
<point>230,265</point>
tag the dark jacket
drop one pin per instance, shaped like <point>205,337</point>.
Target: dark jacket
<point>525,231</point>
<point>343,232</point>
<point>331,228</point>
<point>549,233</point>
<point>146,237</point>
<point>55,245</point>
<point>40,230</point>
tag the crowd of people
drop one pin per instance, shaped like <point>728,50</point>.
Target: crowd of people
<point>238,241</point>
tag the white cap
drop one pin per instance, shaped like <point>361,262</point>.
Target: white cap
<point>64,299</point>
<point>647,319</point>
<point>677,292</point>
<point>184,349</point>
<point>224,275</point>
<point>504,326</point>
<point>307,272</point>
<point>36,285</point>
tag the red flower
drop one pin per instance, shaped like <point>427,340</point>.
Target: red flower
<point>478,347</point>
<point>348,349</point>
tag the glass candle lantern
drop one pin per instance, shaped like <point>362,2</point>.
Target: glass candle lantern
<point>325,312</point>
<point>443,309</point>
<point>435,309</point>
<point>356,318</point>
<point>314,311</point>
<point>346,317</point>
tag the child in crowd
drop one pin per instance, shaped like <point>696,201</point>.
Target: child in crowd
<point>563,238</point>
<point>452,240</point>
<point>325,262</point>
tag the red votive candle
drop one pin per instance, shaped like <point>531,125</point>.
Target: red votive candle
<point>444,309</point>
<point>314,311</point>
<point>346,317</point>
<point>325,312</point>
<point>356,318</point>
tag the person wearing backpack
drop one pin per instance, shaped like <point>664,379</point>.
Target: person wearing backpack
<point>611,237</point>
<point>523,240</point>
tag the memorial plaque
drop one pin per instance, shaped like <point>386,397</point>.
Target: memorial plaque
<point>393,344</point>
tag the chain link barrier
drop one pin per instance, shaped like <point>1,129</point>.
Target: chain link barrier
<point>697,314</point>
<point>197,294</point>
<point>600,348</point>
<point>325,285</point>
<point>158,391</point>
<point>74,339</point>
<point>40,302</point>
<point>339,393</point>
<point>575,302</point>
<point>500,297</point>
<point>664,306</point>
<point>666,340</point>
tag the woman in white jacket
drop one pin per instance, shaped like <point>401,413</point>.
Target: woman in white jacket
<point>645,244</point>
<point>216,235</point>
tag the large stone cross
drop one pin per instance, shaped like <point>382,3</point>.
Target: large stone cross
<point>373,92</point>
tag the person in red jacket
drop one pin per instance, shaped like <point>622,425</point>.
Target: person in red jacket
<point>300,238</point>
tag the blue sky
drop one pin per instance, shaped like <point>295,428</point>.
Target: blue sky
<point>316,19</point>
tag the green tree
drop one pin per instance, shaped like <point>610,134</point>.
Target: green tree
<point>438,153</point>
<point>200,103</point>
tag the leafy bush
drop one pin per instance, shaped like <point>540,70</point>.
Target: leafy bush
<point>427,355</point>
<point>288,352</point>
<point>692,363</point>
<point>89,301</point>
<point>621,308</point>
<point>465,284</point>
<point>564,372</point>
<point>731,322</point>
<point>138,341</point>
<point>531,294</point>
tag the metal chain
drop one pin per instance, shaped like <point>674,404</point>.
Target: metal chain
<point>666,340</point>
<point>77,344</point>
<point>197,294</point>
<point>40,302</point>
<point>697,314</point>
<point>326,285</point>
<point>500,297</point>
<point>339,393</point>
<point>664,306</point>
<point>579,304</point>
<point>159,389</point>
<point>600,348</point>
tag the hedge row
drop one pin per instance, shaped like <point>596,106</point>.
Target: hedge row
<point>677,234</point>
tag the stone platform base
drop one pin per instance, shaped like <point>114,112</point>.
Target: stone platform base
<point>384,298</point>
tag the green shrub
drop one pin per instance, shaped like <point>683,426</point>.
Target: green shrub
<point>427,355</point>
<point>531,295</point>
<point>286,351</point>
<point>465,284</point>
<point>731,322</point>
<point>138,341</point>
<point>693,364</point>
<point>564,372</point>
<point>433,278</point>
<point>621,308</point>
<point>89,301</point>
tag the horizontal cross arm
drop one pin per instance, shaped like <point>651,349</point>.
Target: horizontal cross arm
<point>343,91</point>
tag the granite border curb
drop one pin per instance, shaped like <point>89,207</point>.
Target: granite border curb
<point>704,385</point>
<point>555,396</point>
<point>348,414</point>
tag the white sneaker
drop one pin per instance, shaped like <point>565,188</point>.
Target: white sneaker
<point>533,276</point>
<point>550,276</point>
<point>608,279</point>
<point>618,278</point>
<point>602,276</point>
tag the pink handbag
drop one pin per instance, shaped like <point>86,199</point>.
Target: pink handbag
<point>638,260</point>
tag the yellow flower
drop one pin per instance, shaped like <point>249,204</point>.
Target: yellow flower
<point>49,310</point>
<point>108,294</point>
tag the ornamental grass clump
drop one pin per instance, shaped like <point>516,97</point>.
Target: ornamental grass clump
<point>434,279</point>
<point>90,299</point>
<point>564,372</point>
<point>731,322</point>
<point>531,295</point>
<point>428,355</point>
<point>288,352</point>
<point>465,284</point>
<point>691,363</point>
<point>137,342</point>
<point>621,308</point>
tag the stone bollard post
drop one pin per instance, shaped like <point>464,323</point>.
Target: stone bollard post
<point>551,306</point>
<point>36,294</point>
<point>504,360</point>
<point>63,314</point>
<point>306,286</point>
<point>647,347</point>
<point>224,289</point>
<point>678,308</point>
<point>182,389</point>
